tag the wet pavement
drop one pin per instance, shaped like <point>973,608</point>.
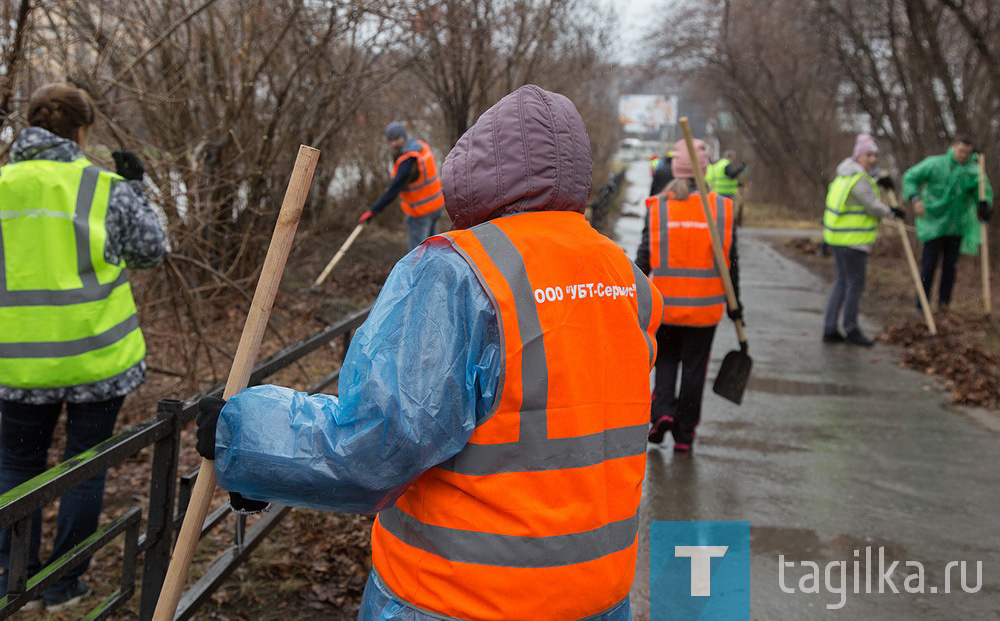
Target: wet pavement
<point>835,449</point>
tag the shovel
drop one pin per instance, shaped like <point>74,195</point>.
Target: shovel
<point>731,382</point>
<point>337,257</point>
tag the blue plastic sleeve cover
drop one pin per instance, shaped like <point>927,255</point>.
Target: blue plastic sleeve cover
<point>419,374</point>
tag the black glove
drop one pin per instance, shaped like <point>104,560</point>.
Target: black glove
<point>128,165</point>
<point>736,313</point>
<point>209,409</point>
<point>246,506</point>
<point>886,182</point>
<point>984,212</point>
<point>898,213</point>
<point>207,420</point>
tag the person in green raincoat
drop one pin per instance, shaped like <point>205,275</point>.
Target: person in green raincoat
<point>944,191</point>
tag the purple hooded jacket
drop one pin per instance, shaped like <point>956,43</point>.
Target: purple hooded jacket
<point>529,152</point>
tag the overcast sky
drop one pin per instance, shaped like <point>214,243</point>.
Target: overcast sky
<point>635,18</point>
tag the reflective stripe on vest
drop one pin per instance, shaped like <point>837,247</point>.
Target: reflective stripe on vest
<point>717,179</point>
<point>424,195</point>
<point>481,548</point>
<point>844,224</point>
<point>547,488</point>
<point>692,296</point>
<point>69,316</point>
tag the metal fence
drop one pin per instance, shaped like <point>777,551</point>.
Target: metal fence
<point>167,501</point>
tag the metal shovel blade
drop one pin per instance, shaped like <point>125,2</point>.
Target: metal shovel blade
<point>733,376</point>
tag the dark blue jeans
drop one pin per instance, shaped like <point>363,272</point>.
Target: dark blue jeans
<point>848,285</point>
<point>946,248</point>
<point>419,229</point>
<point>25,438</point>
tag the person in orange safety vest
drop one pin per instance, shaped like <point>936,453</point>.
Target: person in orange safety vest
<point>416,181</point>
<point>493,407</point>
<point>676,249</point>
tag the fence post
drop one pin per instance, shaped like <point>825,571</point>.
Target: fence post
<point>162,494</point>
<point>20,542</point>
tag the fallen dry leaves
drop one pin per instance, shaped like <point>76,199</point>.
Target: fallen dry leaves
<point>971,370</point>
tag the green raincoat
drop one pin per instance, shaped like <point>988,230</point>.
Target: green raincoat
<point>950,192</point>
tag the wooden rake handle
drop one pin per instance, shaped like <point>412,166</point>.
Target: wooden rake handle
<point>925,305</point>
<point>713,230</point>
<point>239,374</point>
<point>337,257</point>
<point>984,242</point>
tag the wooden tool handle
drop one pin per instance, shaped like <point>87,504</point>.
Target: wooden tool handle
<point>984,262</point>
<point>239,374</point>
<point>984,242</point>
<point>340,254</point>
<point>925,305</point>
<point>713,230</point>
<point>982,177</point>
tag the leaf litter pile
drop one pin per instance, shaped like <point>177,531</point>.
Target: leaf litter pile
<point>970,370</point>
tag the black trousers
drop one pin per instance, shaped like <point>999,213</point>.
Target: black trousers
<point>25,437</point>
<point>946,248</point>
<point>687,349</point>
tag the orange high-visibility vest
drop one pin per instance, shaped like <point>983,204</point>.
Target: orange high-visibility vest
<point>681,258</point>
<point>536,517</point>
<point>423,195</point>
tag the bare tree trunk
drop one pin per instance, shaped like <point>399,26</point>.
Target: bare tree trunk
<point>13,59</point>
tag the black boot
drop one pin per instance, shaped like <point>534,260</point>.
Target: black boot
<point>833,337</point>
<point>660,428</point>
<point>856,337</point>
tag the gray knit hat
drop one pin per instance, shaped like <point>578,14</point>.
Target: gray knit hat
<point>395,130</point>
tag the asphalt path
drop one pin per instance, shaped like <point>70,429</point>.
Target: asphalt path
<point>835,453</point>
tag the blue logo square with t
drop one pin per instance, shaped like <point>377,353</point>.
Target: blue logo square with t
<point>699,571</point>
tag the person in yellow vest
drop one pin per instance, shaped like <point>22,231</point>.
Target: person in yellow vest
<point>416,181</point>
<point>722,177</point>
<point>676,249</point>
<point>70,334</point>
<point>492,408</point>
<point>850,227</point>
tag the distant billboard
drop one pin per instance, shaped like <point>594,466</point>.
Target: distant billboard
<point>643,114</point>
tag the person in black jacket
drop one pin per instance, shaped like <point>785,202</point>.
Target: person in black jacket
<point>662,175</point>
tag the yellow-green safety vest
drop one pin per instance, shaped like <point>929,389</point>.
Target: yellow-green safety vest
<point>848,225</point>
<point>67,315</point>
<point>718,181</point>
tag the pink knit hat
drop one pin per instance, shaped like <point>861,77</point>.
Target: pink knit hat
<point>863,145</point>
<point>681,164</point>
